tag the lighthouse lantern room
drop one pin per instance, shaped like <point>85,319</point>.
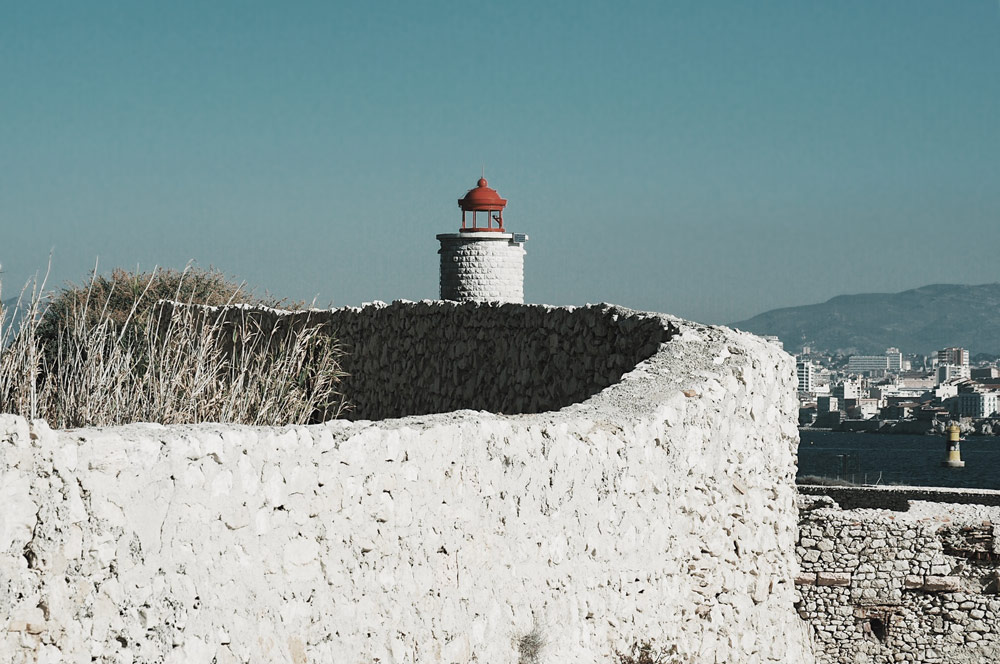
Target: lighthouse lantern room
<point>485,204</point>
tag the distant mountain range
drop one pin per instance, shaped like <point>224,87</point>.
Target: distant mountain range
<point>920,320</point>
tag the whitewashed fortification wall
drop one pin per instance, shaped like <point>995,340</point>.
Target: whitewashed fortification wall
<point>611,504</point>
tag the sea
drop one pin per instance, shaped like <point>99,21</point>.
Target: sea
<point>871,458</point>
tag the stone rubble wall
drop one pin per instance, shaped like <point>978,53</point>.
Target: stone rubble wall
<point>878,585</point>
<point>481,269</point>
<point>661,509</point>
<point>415,358</point>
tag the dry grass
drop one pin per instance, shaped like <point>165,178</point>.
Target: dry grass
<point>93,365</point>
<point>645,652</point>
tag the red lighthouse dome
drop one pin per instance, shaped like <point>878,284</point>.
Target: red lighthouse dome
<point>482,198</point>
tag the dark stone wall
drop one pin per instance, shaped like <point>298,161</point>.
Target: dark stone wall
<point>415,358</point>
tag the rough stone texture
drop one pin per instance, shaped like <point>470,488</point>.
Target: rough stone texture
<point>662,509</point>
<point>481,267</point>
<point>918,585</point>
<point>415,358</point>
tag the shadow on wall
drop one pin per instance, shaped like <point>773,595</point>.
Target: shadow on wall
<point>897,498</point>
<point>415,358</point>
<point>436,357</point>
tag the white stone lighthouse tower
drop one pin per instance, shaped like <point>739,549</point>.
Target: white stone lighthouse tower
<point>482,262</point>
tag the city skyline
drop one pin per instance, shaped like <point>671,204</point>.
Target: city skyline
<point>709,160</point>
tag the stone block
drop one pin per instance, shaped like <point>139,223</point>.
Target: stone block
<point>942,584</point>
<point>833,579</point>
<point>805,579</point>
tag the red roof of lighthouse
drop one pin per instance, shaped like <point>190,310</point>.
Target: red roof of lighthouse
<point>482,198</point>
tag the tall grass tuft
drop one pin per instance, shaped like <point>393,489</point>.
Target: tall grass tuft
<point>115,353</point>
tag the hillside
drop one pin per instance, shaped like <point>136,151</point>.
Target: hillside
<point>920,320</point>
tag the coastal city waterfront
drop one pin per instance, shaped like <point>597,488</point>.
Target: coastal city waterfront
<point>893,393</point>
<point>865,458</point>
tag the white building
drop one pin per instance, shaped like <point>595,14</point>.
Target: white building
<point>849,389</point>
<point>950,372</point>
<point>942,392</point>
<point>867,364</point>
<point>977,404</point>
<point>919,382</point>
<point>804,370</point>
<point>895,359</point>
<point>866,409</point>
<point>905,392</point>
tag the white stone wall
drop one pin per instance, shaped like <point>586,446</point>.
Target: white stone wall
<point>481,267</point>
<point>660,509</point>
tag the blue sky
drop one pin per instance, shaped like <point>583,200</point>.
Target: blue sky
<point>707,159</point>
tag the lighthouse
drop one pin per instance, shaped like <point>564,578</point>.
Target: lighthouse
<point>482,262</point>
<point>954,452</point>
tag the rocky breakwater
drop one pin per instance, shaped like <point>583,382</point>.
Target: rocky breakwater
<point>919,585</point>
<point>661,509</point>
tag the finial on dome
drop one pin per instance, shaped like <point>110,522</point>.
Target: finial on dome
<point>482,182</point>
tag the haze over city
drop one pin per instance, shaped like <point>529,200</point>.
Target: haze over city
<point>707,159</point>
